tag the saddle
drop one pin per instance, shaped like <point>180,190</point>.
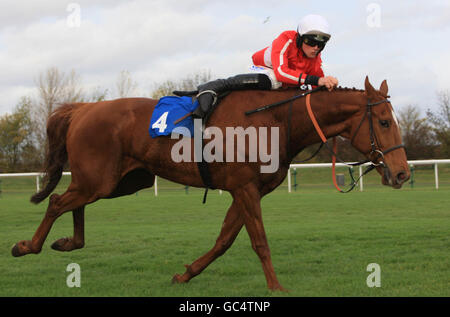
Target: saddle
<point>209,96</point>
<point>210,93</point>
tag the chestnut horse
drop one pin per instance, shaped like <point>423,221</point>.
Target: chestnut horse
<point>111,154</point>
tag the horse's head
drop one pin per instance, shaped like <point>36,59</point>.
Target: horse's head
<point>376,133</point>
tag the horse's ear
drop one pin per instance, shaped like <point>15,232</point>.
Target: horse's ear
<point>384,88</point>
<point>369,88</point>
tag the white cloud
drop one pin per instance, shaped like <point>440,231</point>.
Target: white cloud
<point>166,39</point>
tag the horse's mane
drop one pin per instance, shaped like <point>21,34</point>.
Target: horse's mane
<point>339,88</point>
<point>348,89</point>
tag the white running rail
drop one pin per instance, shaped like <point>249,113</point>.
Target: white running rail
<point>310,165</point>
<point>361,184</point>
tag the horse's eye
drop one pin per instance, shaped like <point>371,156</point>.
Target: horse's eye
<point>385,123</point>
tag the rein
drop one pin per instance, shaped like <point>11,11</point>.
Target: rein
<point>334,151</point>
<point>282,102</point>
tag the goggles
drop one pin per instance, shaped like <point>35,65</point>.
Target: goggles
<point>316,39</point>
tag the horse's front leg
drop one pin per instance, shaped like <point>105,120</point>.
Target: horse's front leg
<point>77,241</point>
<point>230,229</point>
<point>251,201</point>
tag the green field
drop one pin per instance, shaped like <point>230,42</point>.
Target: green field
<point>321,241</point>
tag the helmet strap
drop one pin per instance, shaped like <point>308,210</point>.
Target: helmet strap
<point>299,40</point>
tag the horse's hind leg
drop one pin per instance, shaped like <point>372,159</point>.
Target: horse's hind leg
<point>231,226</point>
<point>70,200</point>
<point>77,241</point>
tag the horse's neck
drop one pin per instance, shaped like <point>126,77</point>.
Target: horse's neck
<point>333,111</point>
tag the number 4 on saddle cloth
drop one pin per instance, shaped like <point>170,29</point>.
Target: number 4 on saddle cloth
<point>168,111</point>
<point>173,114</point>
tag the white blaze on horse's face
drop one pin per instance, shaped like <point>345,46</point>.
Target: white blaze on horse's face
<point>395,117</point>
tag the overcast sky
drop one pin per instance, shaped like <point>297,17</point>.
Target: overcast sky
<point>405,42</point>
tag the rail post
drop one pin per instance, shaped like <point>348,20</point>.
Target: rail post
<point>361,185</point>
<point>37,184</point>
<point>411,182</point>
<point>289,179</point>
<point>294,172</point>
<point>436,178</point>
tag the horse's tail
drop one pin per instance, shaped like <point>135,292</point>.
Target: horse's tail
<point>56,153</point>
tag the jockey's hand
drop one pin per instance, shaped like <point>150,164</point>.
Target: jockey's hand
<point>329,82</point>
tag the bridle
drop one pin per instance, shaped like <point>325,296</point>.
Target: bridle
<point>374,143</point>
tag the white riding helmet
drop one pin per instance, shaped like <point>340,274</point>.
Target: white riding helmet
<point>314,24</point>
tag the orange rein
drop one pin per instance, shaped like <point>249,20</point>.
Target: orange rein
<point>323,138</point>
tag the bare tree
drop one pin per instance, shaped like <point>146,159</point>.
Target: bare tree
<point>417,134</point>
<point>188,83</point>
<point>441,123</point>
<point>125,85</point>
<point>72,90</point>
<point>54,88</point>
<point>96,94</point>
<point>164,89</point>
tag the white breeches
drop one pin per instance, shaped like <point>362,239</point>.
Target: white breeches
<point>267,71</point>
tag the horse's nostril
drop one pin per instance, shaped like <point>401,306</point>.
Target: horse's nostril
<point>402,177</point>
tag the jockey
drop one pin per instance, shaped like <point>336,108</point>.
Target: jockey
<point>294,59</point>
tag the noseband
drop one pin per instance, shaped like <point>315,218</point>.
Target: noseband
<point>374,143</point>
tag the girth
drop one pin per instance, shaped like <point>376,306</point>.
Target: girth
<point>203,168</point>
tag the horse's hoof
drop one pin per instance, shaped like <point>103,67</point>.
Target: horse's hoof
<point>20,248</point>
<point>15,251</point>
<point>279,288</point>
<point>59,245</point>
<point>178,279</point>
<point>66,244</point>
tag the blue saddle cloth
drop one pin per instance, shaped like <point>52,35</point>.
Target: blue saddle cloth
<point>168,110</point>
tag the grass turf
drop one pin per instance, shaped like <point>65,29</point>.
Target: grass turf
<point>321,243</point>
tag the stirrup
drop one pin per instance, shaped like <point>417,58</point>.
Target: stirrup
<point>214,94</point>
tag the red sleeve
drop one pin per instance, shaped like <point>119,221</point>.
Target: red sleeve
<point>279,56</point>
<point>258,58</point>
<point>318,69</point>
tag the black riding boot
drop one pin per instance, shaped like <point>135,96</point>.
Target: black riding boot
<point>208,93</point>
